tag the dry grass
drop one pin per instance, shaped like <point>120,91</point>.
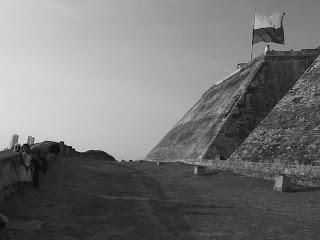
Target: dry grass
<point>93,199</point>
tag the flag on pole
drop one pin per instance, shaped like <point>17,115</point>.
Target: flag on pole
<point>268,29</point>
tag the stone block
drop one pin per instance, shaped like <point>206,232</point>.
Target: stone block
<point>199,170</point>
<point>282,183</point>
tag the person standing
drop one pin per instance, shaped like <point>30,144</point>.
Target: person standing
<point>30,165</point>
<point>38,166</point>
<point>25,165</point>
<point>267,49</point>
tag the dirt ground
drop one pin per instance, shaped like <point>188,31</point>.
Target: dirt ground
<point>94,199</point>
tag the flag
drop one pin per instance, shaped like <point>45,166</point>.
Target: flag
<point>268,29</point>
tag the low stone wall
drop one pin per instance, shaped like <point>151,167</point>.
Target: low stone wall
<point>304,174</point>
<point>9,181</point>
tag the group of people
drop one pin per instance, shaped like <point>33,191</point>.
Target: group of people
<point>31,163</point>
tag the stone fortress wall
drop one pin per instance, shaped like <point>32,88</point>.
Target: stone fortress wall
<point>290,134</point>
<point>272,127</point>
<point>229,111</point>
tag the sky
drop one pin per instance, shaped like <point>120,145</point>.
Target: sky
<point>117,75</point>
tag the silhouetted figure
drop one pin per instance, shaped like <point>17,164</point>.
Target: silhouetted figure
<point>267,49</point>
<point>25,165</point>
<point>38,166</point>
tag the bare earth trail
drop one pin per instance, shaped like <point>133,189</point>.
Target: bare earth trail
<point>94,199</point>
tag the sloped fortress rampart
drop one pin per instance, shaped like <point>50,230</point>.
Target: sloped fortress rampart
<point>228,112</point>
<point>290,134</point>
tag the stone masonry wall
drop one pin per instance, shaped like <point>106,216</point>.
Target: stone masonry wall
<point>290,134</point>
<point>228,112</point>
<point>301,174</point>
<point>275,77</point>
<point>193,134</point>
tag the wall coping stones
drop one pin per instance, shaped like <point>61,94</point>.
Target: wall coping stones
<point>302,174</point>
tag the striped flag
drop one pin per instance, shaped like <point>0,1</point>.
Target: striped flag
<point>268,29</point>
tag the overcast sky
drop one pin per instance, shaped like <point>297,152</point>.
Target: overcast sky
<point>116,75</point>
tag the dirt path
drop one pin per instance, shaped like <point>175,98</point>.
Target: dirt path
<point>94,199</point>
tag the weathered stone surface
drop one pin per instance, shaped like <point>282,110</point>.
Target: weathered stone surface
<point>98,154</point>
<point>290,134</point>
<point>228,112</point>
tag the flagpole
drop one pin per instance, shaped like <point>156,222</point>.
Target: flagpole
<point>254,21</point>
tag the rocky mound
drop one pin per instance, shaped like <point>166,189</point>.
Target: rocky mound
<point>98,154</point>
